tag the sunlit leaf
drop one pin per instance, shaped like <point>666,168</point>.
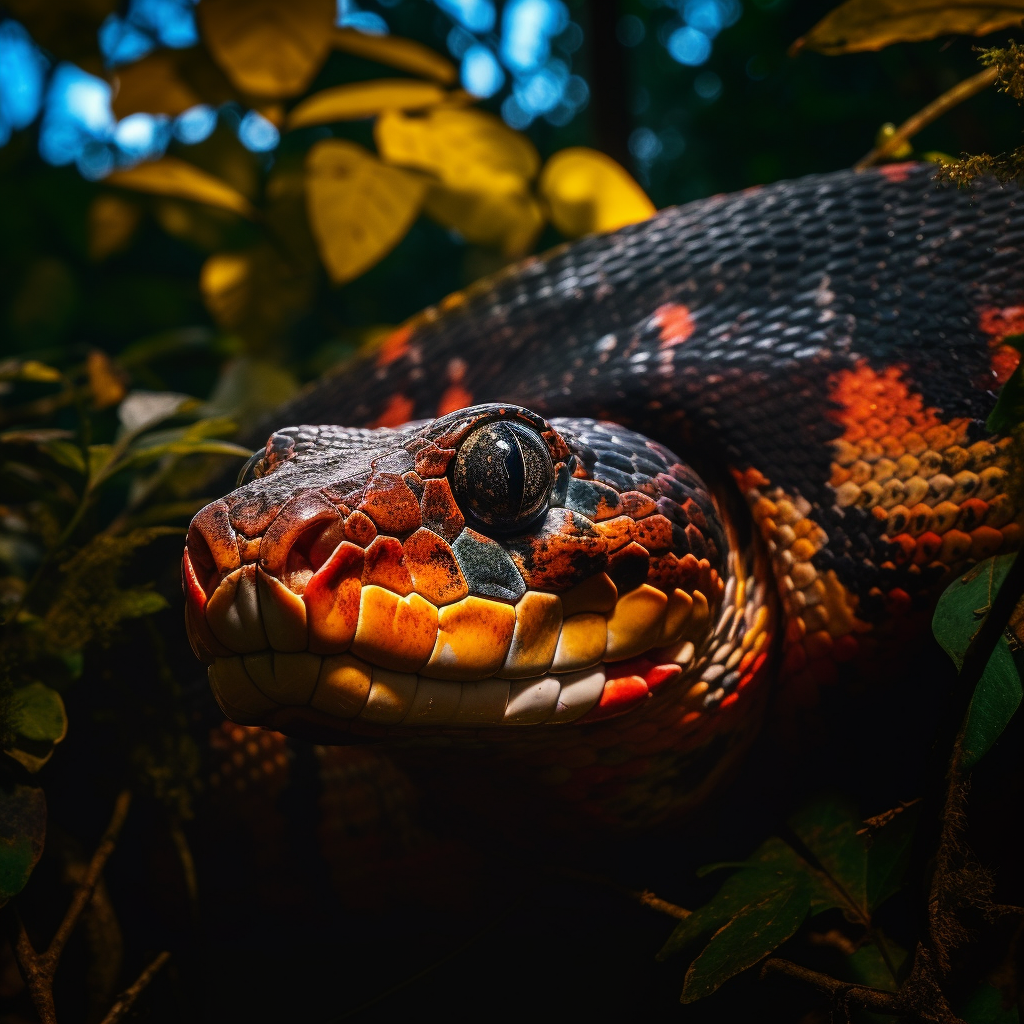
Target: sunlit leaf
<point>22,834</point>
<point>364,99</point>
<point>509,221</point>
<point>105,381</point>
<point>397,52</point>
<point>268,47</point>
<point>465,149</point>
<point>874,24</point>
<point>65,453</point>
<point>359,209</point>
<point>756,931</point>
<point>141,410</point>
<point>249,388</point>
<point>170,176</point>
<point>170,82</point>
<point>1008,411</point>
<point>112,222</point>
<point>29,369</point>
<point>957,619</point>
<point>829,830</point>
<point>588,192</point>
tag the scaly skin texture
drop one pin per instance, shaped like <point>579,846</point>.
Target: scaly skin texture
<point>811,362</point>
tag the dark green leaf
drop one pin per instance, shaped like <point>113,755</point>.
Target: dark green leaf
<point>22,831</point>
<point>965,603</point>
<point>829,829</point>
<point>889,855</point>
<point>748,938</point>
<point>1008,412</point>
<point>986,1007</point>
<point>868,967</point>
<point>994,703</point>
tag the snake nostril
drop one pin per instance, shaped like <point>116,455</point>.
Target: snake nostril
<point>212,546</point>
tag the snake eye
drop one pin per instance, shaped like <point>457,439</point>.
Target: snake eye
<point>248,472</point>
<point>503,475</point>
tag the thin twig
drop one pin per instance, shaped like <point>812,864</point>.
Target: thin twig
<point>961,91</point>
<point>38,969</point>
<point>648,899</point>
<point>127,998</point>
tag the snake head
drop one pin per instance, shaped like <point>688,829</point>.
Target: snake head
<point>489,568</point>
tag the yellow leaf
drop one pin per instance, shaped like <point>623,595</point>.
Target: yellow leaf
<point>254,292</point>
<point>365,99</point>
<point>359,209</point>
<point>465,149</point>
<point>170,176</point>
<point>873,24</point>
<point>509,222</point>
<point>104,382</point>
<point>589,192</point>
<point>112,222</point>
<point>170,82</point>
<point>397,52</point>
<point>268,47</point>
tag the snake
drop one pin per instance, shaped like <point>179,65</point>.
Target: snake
<point>583,520</point>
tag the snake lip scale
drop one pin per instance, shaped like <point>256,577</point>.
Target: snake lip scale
<point>511,549</point>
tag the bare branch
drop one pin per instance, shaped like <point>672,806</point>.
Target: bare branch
<point>127,998</point>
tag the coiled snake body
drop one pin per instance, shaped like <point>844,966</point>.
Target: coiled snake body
<point>585,515</point>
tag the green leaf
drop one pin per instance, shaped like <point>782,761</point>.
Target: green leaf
<point>994,703</point>
<point>37,713</point>
<point>829,830</point>
<point>133,604</point>
<point>986,1007</point>
<point>774,865</point>
<point>867,966</point>
<point>22,832</point>
<point>30,369</point>
<point>141,410</point>
<point>748,938</point>
<point>65,453</point>
<point>1008,412</point>
<point>889,855</point>
<point>958,617</point>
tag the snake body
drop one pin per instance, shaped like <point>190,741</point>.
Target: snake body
<point>583,517</point>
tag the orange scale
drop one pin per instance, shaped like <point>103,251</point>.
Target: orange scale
<point>897,602</point>
<point>795,630</point>
<point>928,546</point>
<point>844,648</point>
<point>730,700</point>
<point>818,645</point>
<point>793,660</point>
<point>1011,535</point>
<point>985,542</point>
<point>907,546</point>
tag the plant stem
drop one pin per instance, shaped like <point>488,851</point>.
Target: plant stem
<point>868,998</point>
<point>961,91</point>
<point>127,998</point>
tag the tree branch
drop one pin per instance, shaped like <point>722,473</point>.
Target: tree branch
<point>844,992</point>
<point>127,998</point>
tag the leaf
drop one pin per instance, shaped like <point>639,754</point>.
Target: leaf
<point>22,833</point>
<point>104,380</point>
<point>268,47</point>
<point>868,966</point>
<point>994,703</point>
<point>873,24</point>
<point>29,369</point>
<point>747,938</point>
<point>508,221</point>
<point>141,410</point>
<point>170,176</point>
<point>397,52</point>
<point>889,856</point>
<point>1008,412</point>
<point>170,82</point>
<point>37,713</point>
<point>65,453</point>
<point>589,192</point>
<point>359,209</point>
<point>773,866</point>
<point>37,722</point>
<point>986,1007</point>
<point>112,222</point>
<point>829,831</point>
<point>465,149</point>
<point>956,621</point>
<point>364,99</point>
<point>41,435</point>
<point>250,388</point>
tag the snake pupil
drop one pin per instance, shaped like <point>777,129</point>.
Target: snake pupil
<point>503,474</point>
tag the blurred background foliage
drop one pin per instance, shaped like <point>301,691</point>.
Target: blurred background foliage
<point>205,206</point>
